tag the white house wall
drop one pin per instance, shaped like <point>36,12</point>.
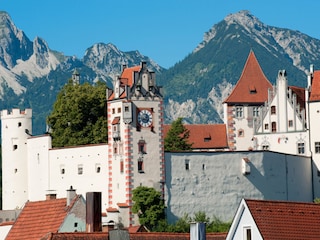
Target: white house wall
<point>215,183</point>
<point>90,158</point>
<point>245,220</point>
<point>38,167</point>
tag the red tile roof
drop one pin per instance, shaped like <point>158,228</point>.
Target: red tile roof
<point>286,220</point>
<point>133,236</point>
<point>39,218</point>
<point>126,79</point>
<point>76,236</point>
<point>205,136</point>
<point>315,88</point>
<point>252,87</point>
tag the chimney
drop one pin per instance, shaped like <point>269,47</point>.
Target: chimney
<point>71,193</point>
<point>93,212</point>
<point>50,196</point>
<point>197,231</point>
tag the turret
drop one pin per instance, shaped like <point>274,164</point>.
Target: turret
<point>16,128</point>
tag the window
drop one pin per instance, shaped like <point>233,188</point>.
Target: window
<point>240,133</point>
<point>317,147</point>
<point>239,112</point>
<point>247,233</point>
<point>126,109</point>
<point>142,146</point>
<point>113,111</point>
<point>266,126</point>
<point>256,112</point>
<point>80,169</point>
<point>290,123</point>
<point>15,147</point>
<point>273,109</point>
<point>121,166</point>
<point>203,166</point>
<point>187,164</point>
<point>98,168</point>
<point>119,110</point>
<point>62,169</point>
<point>301,148</point>
<point>19,124</point>
<point>273,126</point>
<point>265,147</point>
<point>140,165</point>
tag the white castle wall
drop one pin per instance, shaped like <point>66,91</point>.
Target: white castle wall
<point>216,184</point>
<point>14,126</point>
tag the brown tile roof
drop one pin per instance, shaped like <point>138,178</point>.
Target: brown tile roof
<point>286,220</point>
<point>252,87</point>
<point>205,136</point>
<point>315,88</point>
<point>133,236</point>
<point>39,218</point>
<point>77,236</point>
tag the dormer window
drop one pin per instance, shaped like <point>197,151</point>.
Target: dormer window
<point>252,89</point>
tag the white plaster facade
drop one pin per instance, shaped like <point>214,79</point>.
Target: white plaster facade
<point>283,124</point>
<point>14,129</point>
<point>215,182</point>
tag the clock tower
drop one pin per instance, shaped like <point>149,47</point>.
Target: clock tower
<point>135,139</point>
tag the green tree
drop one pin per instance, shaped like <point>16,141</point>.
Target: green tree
<point>79,115</point>
<point>149,206</point>
<point>177,137</point>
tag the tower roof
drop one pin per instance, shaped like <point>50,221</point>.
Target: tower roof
<point>252,87</point>
<point>315,88</point>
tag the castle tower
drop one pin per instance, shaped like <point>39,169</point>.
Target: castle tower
<point>242,108</point>
<point>16,127</point>
<point>75,77</point>
<point>135,132</point>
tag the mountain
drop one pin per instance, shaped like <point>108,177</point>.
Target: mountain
<point>196,86</point>
<point>31,74</point>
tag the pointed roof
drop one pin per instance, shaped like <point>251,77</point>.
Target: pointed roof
<point>252,87</point>
<point>126,79</point>
<point>205,136</point>
<point>39,218</point>
<point>285,220</point>
<point>315,88</point>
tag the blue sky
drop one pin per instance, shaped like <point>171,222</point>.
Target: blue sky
<point>164,30</point>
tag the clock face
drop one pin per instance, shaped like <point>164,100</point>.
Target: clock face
<point>145,118</point>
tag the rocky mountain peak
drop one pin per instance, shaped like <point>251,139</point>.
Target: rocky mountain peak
<point>14,44</point>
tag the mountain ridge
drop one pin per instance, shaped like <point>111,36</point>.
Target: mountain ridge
<point>195,87</point>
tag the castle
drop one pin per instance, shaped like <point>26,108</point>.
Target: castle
<point>273,151</point>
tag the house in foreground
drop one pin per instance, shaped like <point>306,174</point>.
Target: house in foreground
<point>261,219</point>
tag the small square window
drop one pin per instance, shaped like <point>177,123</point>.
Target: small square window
<point>290,123</point>
<point>273,110</point>
<point>187,164</point>
<point>15,147</point>
<point>241,133</point>
<point>19,124</point>
<point>300,148</point>
<point>126,109</point>
<point>119,110</point>
<point>80,169</point>
<point>266,126</point>
<point>317,147</point>
<point>98,168</point>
